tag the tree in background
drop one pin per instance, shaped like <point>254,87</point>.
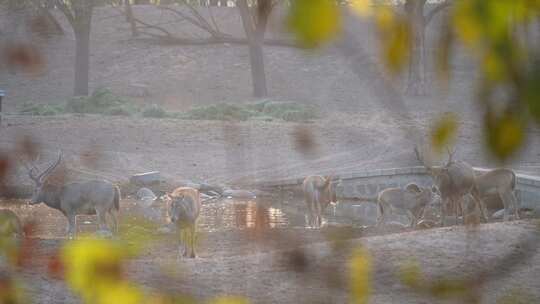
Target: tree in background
<point>419,20</point>
<point>254,20</point>
<point>79,15</point>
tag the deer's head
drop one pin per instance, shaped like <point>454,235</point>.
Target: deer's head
<point>39,179</point>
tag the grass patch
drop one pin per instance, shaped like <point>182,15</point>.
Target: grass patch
<point>104,102</point>
<point>41,109</point>
<point>264,110</point>
<point>221,111</point>
<point>154,111</point>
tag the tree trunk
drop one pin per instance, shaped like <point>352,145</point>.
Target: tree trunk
<point>416,81</point>
<point>82,61</point>
<point>255,36</point>
<point>130,19</point>
<point>258,74</point>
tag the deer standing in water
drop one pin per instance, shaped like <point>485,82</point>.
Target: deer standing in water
<point>92,197</point>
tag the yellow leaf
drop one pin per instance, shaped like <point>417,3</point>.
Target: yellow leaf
<point>505,135</point>
<point>92,265</point>
<point>411,275</point>
<point>314,21</point>
<point>360,272</point>
<point>229,300</point>
<point>443,132</point>
<point>465,23</point>
<point>122,292</point>
<point>395,32</point>
<point>362,7</point>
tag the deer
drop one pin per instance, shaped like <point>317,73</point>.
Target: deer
<point>92,197</point>
<point>500,182</point>
<point>454,180</point>
<point>319,192</point>
<point>183,210</point>
<point>413,199</point>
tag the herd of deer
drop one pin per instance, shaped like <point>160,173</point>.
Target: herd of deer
<point>453,182</point>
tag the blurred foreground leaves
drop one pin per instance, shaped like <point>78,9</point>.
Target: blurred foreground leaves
<point>443,132</point>
<point>360,272</point>
<point>497,35</point>
<point>314,21</point>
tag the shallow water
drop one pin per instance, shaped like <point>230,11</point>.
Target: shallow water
<point>218,215</point>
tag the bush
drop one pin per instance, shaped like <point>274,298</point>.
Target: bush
<point>122,110</point>
<point>154,111</point>
<point>222,111</point>
<point>42,109</point>
<point>264,110</point>
<point>100,102</point>
<point>290,111</point>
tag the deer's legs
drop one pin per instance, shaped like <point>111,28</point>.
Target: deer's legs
<point>443,212</point>
<point>114,221</point>
<point>72,225</point>
<point>483,209</point>
<point>455,205</point>
<point>510,202</point>
<point>192,241</point>
<point>412,217</point>
<point>100,219</point>
<point>311,214</point>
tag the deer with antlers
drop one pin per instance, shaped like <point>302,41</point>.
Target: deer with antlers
<point>454,180</point>
<point>92,197</point>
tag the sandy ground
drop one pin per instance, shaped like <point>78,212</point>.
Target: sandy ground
<point>298,265</point>
<point>266,272</point>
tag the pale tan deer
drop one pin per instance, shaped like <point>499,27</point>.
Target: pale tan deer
<point>413,199</point>
<point>454,180</point>
<point>500,182</point>
<point>319,192</point>
<point>184,209</point>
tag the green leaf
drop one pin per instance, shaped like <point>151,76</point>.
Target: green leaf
<point>411,275</point>
<point>505,135</point>
<point>532,91</point>
<point>443,132</point>
<point>314,21</point>
<point>360,272</point>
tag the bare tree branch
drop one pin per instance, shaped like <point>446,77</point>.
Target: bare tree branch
<point>440,7</point>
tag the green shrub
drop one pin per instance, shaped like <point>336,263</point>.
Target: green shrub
<point>41,109</point>
<point>154,111</point>
<point>222,111</point>
<point>122,110</point>
<point>100,102</point>
<point>290,111</point>
<point>263,110</point>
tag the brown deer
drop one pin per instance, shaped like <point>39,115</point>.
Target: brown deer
<point>93,197</point>
<point>500,182</point>
<point>319,192</point>
<point>184,208</point>
<point>454,180</point>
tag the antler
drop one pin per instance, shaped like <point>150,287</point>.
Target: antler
<point>30,168</point>
<point>53,166</point>
<point>421,159</point>
<point>450,155</point>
